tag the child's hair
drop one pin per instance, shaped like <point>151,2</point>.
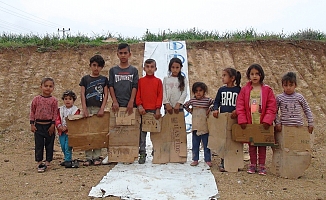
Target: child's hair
<point>98,59</point>
<point>47,79</point>
<point>124,45</point>
<point>202,85</point>
<point>289,77</point>
<point>69,93</point>
<point>180,77</point>
<point>234,73</point>
<point>149,61</point>
<point>259,69</point>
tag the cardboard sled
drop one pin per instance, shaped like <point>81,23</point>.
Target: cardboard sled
<point>255,134</point>
<point>150,124</point>
<point>87,133</point>
<point>124,139</point>
<point>292,156</point>
<point>220,141</point>
<point>170,145</point>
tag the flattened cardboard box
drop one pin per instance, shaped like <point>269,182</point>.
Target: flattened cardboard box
<point>150,124</point>
<point>292,156</point>
<point>170,145</point>
<point>255,134</point>
<point>89,132</point>
<point>220,141</point>
<point>124,139</point>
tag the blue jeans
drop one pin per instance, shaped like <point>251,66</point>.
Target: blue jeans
<point>195,146</point>
<point>66,149</point>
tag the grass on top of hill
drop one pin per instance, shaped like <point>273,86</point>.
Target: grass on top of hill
<point>46,42</point>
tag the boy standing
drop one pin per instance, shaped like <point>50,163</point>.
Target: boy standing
<point>94,95</point>
<point>148,99</point>
<point>123,81</point>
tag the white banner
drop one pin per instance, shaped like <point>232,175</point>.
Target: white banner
<point>162,52</point>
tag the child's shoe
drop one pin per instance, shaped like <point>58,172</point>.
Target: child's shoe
<point>41,168</point>
<point>262,170</point>
<point>142,159</point>
<point>209,163</point>
<point>194,163</point>
<point>251,169</point>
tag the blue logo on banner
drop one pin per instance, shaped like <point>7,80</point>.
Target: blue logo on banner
<point>177,56</point>
<point>175,45</point>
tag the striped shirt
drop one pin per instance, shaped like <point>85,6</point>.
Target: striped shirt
<point>204,102</point>
<point>291,107</point>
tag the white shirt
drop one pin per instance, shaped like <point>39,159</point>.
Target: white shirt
<point>171,91</point>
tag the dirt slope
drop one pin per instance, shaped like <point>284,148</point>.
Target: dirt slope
<point>23,68</point>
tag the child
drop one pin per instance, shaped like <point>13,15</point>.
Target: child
<point>148,99</point>
<point>226,97</point>
<point>94,95</point>
<point>43,114</point>
<point>174,87</point>
<point>123,81</point>
<point>256,104</point>
<point>68,97</point>
<point>290,104</point>
<point>202,102</point>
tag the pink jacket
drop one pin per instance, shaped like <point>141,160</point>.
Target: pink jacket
<point>268,105</point>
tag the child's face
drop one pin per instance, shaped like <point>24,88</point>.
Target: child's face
<point>68,101</point>
<point>47,88</point>
<point>199,93</point>
<point>175,69</point>
<point>150,68</point>
<point>254,76</point>
<point>96,69</point>
<point>226,79</point>
<point>123,55</point>
<point>288,87</point>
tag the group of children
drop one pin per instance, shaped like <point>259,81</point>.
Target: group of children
<point>255,103</point>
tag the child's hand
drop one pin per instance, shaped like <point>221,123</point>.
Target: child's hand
<point>100,113</point>
<point>278,127</point>
<point>157,114</point>
<point>234,114</point>
<point>215,113</point>
<point>310,129</point>
<point>63,128</point>
<point>85,113</point>
<point>177,108</point>
<point>141,110</point>
<point>33,128</point>
<point>115,106</point>
<point>130,107</point>
<point>51,129</point>
<point>169,108</point>
<point>266,126</point>
<point>243,126</point>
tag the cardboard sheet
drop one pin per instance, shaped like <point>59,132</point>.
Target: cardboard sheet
<point>254,134</point>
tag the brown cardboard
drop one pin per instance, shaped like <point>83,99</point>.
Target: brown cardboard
<point>255,134</point>
<point>199,120</point>
<point>123,118</point>
<point>220,141</point>
<point>150,124</point>
<point>292,156</point>
<point>88,133</point>
<point>170,145</point>
<point>124,139</point>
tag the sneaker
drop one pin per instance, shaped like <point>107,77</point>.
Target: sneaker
<point>209,163</point>
<point>262,170</point>
<point>41,168</point>
<point>75,164</point>
<point>251,169</point>
<point>194,163</point>
<point>62,163</point>
<point>142,159</point>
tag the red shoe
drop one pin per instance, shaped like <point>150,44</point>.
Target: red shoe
<point>251,169</point>
<point>209,164</point>
<point>194,163</point>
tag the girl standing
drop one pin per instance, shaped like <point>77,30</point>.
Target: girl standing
<point>174,87</point>
<point>43,114</point>
<point>199,107</point>
<point>226,97</point>
<point>68,97</point>
<point>256,104</point>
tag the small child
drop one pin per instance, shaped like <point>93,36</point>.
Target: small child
<point>43,114</point>
<point>199,101</point>
<point>148,99</point>
<point>290,104</point>
<point>256,104</point>
<point>174,88</point>
<point>226,97</point>
<point>68,97</point>
<point>94,95</point>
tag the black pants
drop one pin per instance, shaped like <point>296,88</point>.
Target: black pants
<point>43,139</point>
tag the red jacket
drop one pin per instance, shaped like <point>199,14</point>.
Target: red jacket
<point>58,121</point>
<point>149,93</point>
<point>268,105</point>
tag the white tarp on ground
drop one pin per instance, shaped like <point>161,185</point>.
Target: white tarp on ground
<point>158,181</point>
